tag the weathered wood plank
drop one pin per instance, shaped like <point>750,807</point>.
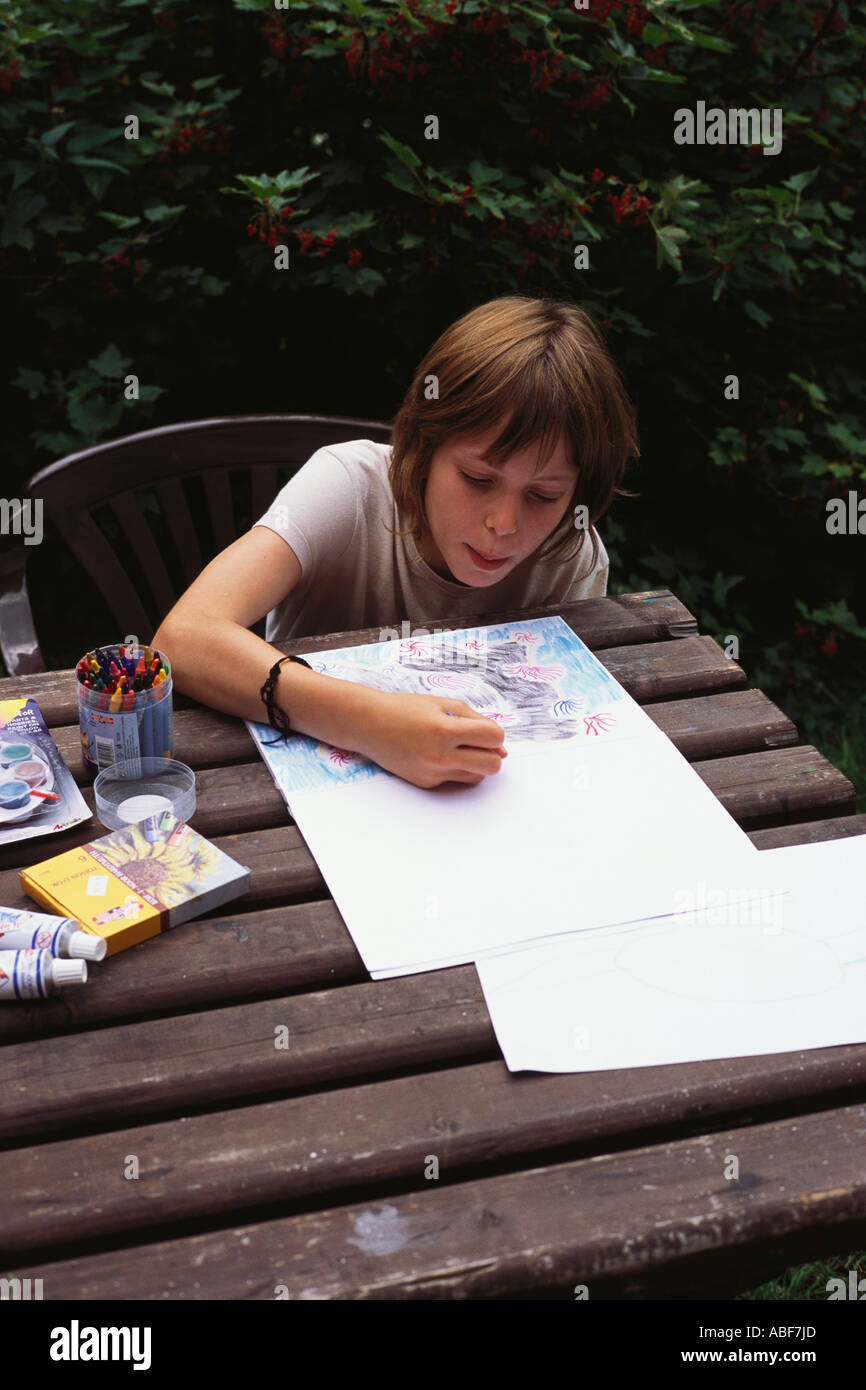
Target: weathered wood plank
<point>164,1066</point>
<point>809,832</point>
<point>735,721</point>
<point>133,1071</point>
<point>235,1161</point>
<point>250,954</point>
<point>779,786</point>
<point>643,617</point>
<point>622,1223</point>
<point>212,960</point>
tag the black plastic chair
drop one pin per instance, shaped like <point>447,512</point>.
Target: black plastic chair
<point>200,484</point>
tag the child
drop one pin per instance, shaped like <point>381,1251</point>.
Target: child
<point>509,445</point>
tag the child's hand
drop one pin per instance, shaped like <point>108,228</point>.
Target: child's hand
<point>429,739</point>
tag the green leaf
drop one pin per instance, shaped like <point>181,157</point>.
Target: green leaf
<point>403,152</point>
<point>31,382</point>
<point>816,395</point>
<point>57,132</point>
<point>760,316</point>
<point>89,140</point>
<point>109,363</point>
<point>85,162</point>
<point>401,179</point>
<point>490,204</point>
<point>161,89</point>
<point>798,182</point>
<point>118,220</point>
<point>23,173</point>
<point>22,208</point>
<point>813,464</point>
<point>666,244</point>
<point>161,211</point>
<point>93,416</point>
<point>201,83</point>
<point>841,435</point>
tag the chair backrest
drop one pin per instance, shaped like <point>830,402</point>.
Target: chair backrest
<point>144,514</point>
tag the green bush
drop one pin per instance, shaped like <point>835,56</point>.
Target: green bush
<point>308,128</point>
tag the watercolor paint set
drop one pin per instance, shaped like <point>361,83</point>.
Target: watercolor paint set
<point>38,794</point>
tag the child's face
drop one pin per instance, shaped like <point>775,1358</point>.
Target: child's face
<point>509,513</point>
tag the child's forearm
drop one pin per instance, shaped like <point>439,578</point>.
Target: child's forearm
<point>224,665</point>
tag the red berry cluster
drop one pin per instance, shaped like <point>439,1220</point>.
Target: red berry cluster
<point>837,26</point>
<point>596,94</point>
<point>354,258</point>
<point>121,258</point>
<point>277,36</point>
<point>829,646</point>
<point>269,225</point>
<point>545,67</point>
<point>165,22</point>
<point>548,228</point>
<point>487,25</point>
<point>307,239</point>
<point>635,19</point>
<point>628,205</point>
<point>540,135</point>
<point>392,60</point>
<point>182,138</point>
<point>9,76</point>
<point>103,285</point>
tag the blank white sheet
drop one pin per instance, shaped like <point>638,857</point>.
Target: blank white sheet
<point>740,983</point>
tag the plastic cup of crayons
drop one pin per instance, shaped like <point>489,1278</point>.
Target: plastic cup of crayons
<point>124,706</point>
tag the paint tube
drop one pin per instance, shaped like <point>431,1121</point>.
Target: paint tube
<point>36,974</point>
<point>38,931</point>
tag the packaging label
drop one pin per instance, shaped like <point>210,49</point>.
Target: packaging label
<point>21,975</point>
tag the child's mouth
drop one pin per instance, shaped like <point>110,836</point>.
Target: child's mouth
<point>483,563</point>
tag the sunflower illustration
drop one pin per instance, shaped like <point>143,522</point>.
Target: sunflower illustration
<point>171,872</point>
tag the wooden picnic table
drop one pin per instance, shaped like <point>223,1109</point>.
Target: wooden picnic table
<point>267,1171</point>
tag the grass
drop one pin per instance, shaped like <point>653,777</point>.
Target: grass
<point>808,1281</point>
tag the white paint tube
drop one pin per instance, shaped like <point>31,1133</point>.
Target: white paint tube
<point>36,974</point>
<point>38,931</point>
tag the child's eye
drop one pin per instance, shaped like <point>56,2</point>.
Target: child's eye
<point>482,482</point>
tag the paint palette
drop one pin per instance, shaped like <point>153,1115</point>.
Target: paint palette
<point>23,770</point>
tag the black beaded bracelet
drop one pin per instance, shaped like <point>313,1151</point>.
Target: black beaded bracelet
<point>276,717</point>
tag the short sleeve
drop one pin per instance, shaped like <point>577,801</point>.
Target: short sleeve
<point>316,511</point>
<point>591,583</point>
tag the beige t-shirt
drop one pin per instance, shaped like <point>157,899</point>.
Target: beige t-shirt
<point>356,574</point>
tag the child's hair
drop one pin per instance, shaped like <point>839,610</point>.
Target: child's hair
<point>542,364</point>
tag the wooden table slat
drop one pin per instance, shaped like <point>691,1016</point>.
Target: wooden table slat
<point>733,721</point>
<point>252,953</point>
<point>606,622</point>
<point>232,1162</point>
<point>623,1223</point>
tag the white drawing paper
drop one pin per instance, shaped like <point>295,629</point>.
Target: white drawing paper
<point>779,971</point>
<point>592,819</point>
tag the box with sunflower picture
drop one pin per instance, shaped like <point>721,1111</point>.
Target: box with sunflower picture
<point>137,882</point>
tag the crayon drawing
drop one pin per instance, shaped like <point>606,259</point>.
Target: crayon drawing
<point>536,678</point>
